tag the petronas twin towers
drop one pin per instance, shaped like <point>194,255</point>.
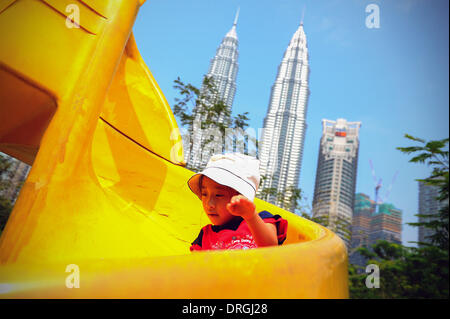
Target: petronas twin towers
<point>223,70</point>
<point>281,146</point>
<point>284,130</point>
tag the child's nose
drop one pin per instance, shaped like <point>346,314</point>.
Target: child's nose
<point>211,202</point>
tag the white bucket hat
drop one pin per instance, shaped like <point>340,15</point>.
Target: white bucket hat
<point>235,170</point>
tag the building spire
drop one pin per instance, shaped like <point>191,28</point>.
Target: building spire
<point>285,123</point>
<point>236,17</point>
<point>232,32</point>
<point>303,14</point>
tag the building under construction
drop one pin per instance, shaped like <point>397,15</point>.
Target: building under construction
<point>371,223</point>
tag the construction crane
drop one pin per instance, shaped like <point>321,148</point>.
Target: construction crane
<point>378,184</point>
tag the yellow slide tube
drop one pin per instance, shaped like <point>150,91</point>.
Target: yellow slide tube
<point>105,211</point>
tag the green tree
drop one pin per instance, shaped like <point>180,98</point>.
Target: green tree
<point>434,154</point>
<point>294,202</point>
<point>204,109</point>
<point>405,272</point>
<point>357,287</point>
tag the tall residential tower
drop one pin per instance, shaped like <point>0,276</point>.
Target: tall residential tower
<point>283,136</point>
<point>223,70</point>
<point>369,226</point>
<point>428,205</point>
<point>334,191</point>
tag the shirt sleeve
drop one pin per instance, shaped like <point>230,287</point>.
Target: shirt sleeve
<point>197,243</point>
<point>279,222</point>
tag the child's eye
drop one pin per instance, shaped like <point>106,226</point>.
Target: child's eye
<point>219,195</point>
<point>203,194</point>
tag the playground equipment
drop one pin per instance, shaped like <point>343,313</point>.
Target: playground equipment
<point>106,207</point>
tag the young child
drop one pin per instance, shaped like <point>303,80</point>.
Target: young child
<point>227,188</point>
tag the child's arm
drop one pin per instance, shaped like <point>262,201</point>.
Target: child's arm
<point>263,233</point>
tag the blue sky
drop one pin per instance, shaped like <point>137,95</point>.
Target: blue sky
<point>394,79</point>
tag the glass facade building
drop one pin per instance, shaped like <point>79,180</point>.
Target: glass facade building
<point>334,190</point>
<point>362,214</point>
<point>368,226</point>
<point>223,69</point>
<point>386,224</point>
<point>428,205</point>
<point>281,146</point>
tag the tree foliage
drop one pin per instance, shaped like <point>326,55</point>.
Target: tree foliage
<point>434,154</point>
<point>405,272</point>
<point>291,199</point>
<point>204,109</point>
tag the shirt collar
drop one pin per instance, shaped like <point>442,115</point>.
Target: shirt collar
<point>232,224</point>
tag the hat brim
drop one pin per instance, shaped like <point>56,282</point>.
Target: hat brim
<point>223,177</point>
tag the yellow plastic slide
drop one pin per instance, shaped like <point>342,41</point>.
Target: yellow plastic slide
<point>105,211</point>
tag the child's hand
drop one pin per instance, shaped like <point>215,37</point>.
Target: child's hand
<point>240,205</point>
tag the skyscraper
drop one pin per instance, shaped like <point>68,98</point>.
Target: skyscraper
<point>223,70</point>
<point>362,215</point>
<point>428,205</point>
<point>334,191</point>
<point>369,226</point>
<point>283,136</point>
<point>386,224</point>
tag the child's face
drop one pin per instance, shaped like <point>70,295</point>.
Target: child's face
<point>215,198</point>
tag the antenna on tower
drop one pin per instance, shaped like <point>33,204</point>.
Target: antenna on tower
<point>236,17</point>
<point>303,14</point>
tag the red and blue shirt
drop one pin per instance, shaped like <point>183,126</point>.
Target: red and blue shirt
<point>236,234</point>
